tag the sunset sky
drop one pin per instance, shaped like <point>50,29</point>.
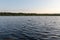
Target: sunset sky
<point>34,6</point>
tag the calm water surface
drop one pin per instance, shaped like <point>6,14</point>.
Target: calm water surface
<point>29,27</point>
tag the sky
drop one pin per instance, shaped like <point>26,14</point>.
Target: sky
<point>30,6</point>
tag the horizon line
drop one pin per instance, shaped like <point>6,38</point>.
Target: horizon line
<point>29,12</point>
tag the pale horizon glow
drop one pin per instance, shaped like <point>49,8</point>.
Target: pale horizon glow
<point>30,6</point>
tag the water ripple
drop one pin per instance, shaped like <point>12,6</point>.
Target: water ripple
<point>29,28</point>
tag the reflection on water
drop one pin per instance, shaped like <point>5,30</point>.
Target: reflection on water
<point>29,28</point>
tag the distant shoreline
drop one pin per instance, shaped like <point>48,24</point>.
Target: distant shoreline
<point>26,14</point>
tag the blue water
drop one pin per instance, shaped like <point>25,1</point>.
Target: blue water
<point>29,27</point>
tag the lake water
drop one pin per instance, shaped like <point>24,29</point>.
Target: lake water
<point>29,27</point>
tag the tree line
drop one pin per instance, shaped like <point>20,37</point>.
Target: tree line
<point>26,14</point>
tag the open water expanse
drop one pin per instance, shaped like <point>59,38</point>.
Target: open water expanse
<point>29,27</point>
